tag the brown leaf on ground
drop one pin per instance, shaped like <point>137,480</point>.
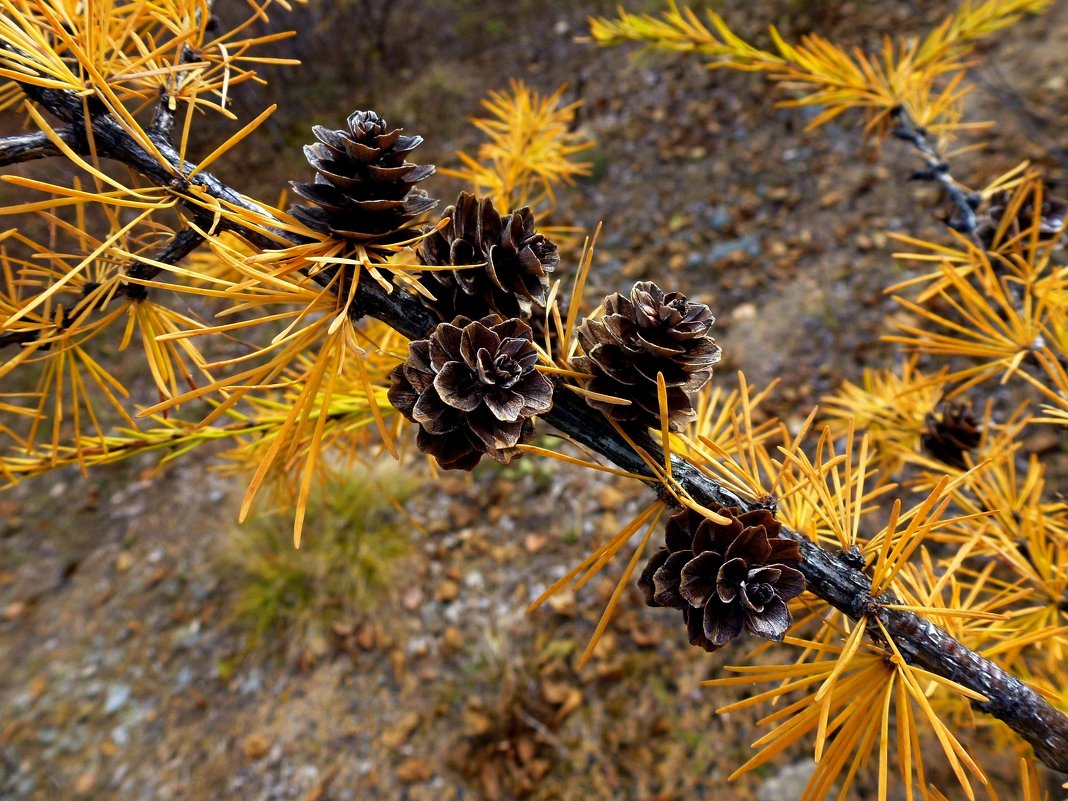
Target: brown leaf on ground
<point>85,783</point>
<point>319,790</point>
<point>447,591</point>
<point>398,733</point>
<point>535,542</point>
<point>255,746</point>
<point>414,769</point>
<point>476,722</point>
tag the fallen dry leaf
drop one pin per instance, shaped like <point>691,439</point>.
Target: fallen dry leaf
<point>255,746</point>
<point>414,769</point>
<point>476,722</point>
<point>535,542</point>
<point>447,591</point>
<point>399,732</point>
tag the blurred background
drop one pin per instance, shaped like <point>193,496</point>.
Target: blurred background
<point>154,649</point>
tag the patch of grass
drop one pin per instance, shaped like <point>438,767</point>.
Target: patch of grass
<point>355,537</point>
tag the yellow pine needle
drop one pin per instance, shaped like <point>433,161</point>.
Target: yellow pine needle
<point>547,368</point>
<point>563,457</point>
<point>601,554</point>
<point>529,149</point>
<point>578,288</point>
<point>665,432</point>
<point>222,149</point>
<point>621,585</point>
<point>74,272</point>
<point>66,196</point>
<point>849,650</point>
<point>376,412</point>
<point>598,396</point>
<point>953,750</point>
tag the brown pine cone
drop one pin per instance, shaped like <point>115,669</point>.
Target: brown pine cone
<point>725,577</point>
<point>363,188</point>
<point>950,434</point>
<point>1053,216</point>
<point>510,261</point>
<point>472,388</point>
<point>638,337</point>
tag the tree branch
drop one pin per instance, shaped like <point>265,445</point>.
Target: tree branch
<point>828,576</point>
<point>27,147</point>
<point>964,201</point>
<point>180,245</point>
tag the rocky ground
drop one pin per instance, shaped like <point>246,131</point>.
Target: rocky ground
<point>124,674</point>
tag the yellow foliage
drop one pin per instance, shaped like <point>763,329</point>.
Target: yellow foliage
<point>530,149</point>
<point>923,79</point>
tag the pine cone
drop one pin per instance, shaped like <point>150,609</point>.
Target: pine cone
<point>950,434</point>
<point>637,338</point>
<point>363,188</point>
<point>472,389</point>
<point>725,577</point>
<point>509,261</point>
<point>1053,216</point>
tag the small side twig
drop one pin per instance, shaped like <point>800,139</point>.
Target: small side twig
<point>163,116</point>
<point>180,245</point>
<point>965,202</point>
<point>27,147</point>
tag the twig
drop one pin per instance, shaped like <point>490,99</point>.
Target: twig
<point>828,577</point>
<point>965,202</point>
<point>180,245</point>
<point>27,147</point>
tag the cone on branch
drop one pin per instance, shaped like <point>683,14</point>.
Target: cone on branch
<point>1052,218</point>
<point>951,433</point>
<point>648,333</point>
<point>364,187</point>
<point>472,388</point>
<point>510,261</point>
<point>725,578</point>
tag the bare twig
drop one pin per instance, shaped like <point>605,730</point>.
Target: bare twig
<point>965,202</point>
<point>27,147</point>
<point>180,245</point>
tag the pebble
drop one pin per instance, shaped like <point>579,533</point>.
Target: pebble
<point>118,695</point>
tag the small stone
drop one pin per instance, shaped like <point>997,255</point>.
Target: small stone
<point>14,610</point>
<point>563,603</point>
<point>398,734</point>
<point>412,597</point>
<point>118,695</point>
<point>744,311</point>
<point>255,746</point>
<point>124,561</point>
<point>535,542</point>
<point>85,783</point>
<point>453,639</point>
<point>448,590</point>
<point>476,722</point>
<point>415,769</point>
<point>611,497</point>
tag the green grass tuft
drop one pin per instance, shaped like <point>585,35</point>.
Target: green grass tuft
<point>354,540</point>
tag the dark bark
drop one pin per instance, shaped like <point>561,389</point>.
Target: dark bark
<point>27,147</point>
<point>829,577</point>
<point>936,170</point>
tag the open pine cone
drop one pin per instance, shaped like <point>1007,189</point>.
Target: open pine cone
<point>363,188</point>
<point>472,388</point>
<point>725,577</point>
<point>950,434</point>
<point>638,337</point>
<point>510,261</point>
<point>1053,216</point>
